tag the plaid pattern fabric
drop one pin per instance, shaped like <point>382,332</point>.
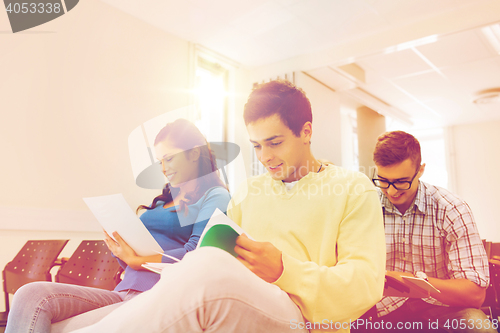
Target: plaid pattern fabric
<point>436,235</point>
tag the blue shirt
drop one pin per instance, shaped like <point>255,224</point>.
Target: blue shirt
<point>175,232</point>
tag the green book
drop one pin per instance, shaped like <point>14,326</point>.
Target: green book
<point>221,232</point>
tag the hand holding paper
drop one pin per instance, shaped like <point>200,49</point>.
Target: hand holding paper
<point>111,243</point>
<point>120,248</point>
<point>114,214</point>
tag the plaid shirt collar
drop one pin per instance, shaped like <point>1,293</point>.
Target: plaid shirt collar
<point>420,201</point>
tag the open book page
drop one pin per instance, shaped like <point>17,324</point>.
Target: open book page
<point>406,286</point>
<point>156,267</point>
<point>114,214</point>
<point>221,232</point>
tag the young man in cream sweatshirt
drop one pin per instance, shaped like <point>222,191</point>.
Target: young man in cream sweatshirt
<point>318,258</point>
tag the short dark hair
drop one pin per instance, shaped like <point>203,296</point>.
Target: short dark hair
<point>279,97</point>
<point>395,147</point>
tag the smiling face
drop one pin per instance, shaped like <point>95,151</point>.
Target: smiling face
<point>403,171</point>
<point>283,154</point>
<point>177,165</point>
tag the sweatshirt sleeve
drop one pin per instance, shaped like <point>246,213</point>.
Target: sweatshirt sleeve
<point>121,262</point>
<point>216,198</point>
<point>345,291</point>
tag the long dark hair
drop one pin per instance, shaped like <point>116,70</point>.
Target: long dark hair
<point>185,135</point>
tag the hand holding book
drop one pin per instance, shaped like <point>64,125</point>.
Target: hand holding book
<point>404,284</point>
<point>262,258</point>
<point>221,232</point>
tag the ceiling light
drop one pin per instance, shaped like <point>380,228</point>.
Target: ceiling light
<point>410,44</point>
<point>492,34</point>
<point>488,96</point>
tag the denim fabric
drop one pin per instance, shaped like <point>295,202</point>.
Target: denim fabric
<point>42,303</point>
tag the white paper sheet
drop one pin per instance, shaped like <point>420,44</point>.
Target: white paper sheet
<point>156,267</point>
<point>114,214</point>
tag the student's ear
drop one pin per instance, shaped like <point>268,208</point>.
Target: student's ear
<point>194,154</point>
<point>306,132</point>
<point>422,169</point>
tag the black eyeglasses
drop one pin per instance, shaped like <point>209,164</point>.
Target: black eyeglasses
<point>398,185</point>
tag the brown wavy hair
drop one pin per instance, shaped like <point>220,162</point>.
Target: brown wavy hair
<point>185,135</point>
<point>395,147</point>
<point>279,97</point>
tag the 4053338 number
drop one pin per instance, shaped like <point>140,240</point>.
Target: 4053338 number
<point>462,324</point>
<point>33,7</point>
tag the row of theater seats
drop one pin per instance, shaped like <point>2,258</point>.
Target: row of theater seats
<point>90,265</point>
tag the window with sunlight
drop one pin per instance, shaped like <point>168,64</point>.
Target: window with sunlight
<point>211,99</point>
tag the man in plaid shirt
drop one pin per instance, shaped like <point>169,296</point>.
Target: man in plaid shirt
<point>430,234</point>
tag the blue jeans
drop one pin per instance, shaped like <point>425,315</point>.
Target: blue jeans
<point>39,304</point>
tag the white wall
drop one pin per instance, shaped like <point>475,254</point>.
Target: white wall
<point>325,104</point>
<point>71,92</point>
<point>476,161</point>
